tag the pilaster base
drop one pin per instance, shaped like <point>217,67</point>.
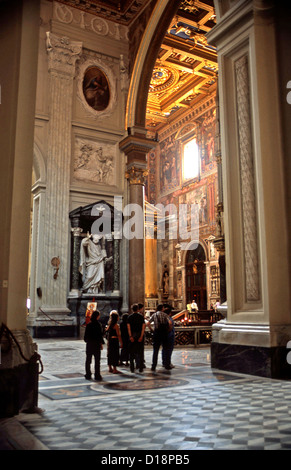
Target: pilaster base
<point>53,324</point>
<point>259,350</point>
<point>18,376</point>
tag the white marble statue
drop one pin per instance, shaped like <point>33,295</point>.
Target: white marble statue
<point>92,262</point>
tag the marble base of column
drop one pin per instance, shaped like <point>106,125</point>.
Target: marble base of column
<point>74,293</point>
<point>19,372</point>
<point>255,349</point>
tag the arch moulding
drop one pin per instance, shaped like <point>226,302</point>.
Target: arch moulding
<point>145,61</point>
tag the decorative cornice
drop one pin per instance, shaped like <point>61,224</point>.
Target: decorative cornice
<point>86,21</point>
<point>189,116</point>
<point>124,15</point>
<point>137,143</point>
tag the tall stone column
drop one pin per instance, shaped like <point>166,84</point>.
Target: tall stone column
<point>116,266</point>
<point>151,274</point>
<point>76,244</point>
<point>136,146</point>
<point>62,56</point>
<point>254,337</point>
<point>19,25</point>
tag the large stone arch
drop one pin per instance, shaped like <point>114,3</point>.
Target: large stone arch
<point>145,61</point>
<point>136,145</point>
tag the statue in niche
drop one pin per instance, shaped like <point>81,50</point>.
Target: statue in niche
<point>92,262</point>
<point>166,284</point>
<point>96,89</point>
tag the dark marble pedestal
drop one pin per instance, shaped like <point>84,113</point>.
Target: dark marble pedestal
<point>19,389</point>
<point>254,360</point>
<point>105,303</point>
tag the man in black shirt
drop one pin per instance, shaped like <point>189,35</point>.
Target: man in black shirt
<point>93,338</point>
<point>136,327</point>
<point>162,327</point>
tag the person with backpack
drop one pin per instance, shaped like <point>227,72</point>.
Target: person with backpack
<point>160,324</point>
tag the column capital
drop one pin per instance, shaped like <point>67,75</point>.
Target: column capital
<point>62,53</point>
<point>136,175</point>
<point>76,231</point>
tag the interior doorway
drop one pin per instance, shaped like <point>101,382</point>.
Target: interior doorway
<point>196,277</point>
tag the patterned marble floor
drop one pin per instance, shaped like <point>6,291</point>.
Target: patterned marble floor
<point>192,407</point>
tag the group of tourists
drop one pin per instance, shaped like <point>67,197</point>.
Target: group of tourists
<point>125,342</point>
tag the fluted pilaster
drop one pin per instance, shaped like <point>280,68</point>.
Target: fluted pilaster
<point>62,56</point>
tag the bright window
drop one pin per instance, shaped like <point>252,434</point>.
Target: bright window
<point>190,160</point>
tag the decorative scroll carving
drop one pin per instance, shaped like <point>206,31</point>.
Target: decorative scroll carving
<point>249,210</point>
<point>62,53</point>
<point>63,13</point>
<point>124,14</point>
<point>62,56</point>
<point>123,74</point>
<point>88,21</point>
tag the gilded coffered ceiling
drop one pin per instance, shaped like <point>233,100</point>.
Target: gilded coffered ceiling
<point>186,67</point>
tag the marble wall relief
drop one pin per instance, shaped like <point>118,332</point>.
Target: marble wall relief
<point>94,161</point>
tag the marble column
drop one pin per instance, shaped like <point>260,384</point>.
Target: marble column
<point>62,56</point>
<point>136,146</point>
<point>19,25</point>
<point>151,275</point>
<point>254,337</point>
<point>76,243</point>
<point>116,266</point>
<point>136,245</point>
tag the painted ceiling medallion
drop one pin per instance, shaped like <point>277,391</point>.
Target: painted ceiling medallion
<point>162,79</point>
<point>160,76</point>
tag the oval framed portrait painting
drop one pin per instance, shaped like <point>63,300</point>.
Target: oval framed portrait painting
<point>96,89</point>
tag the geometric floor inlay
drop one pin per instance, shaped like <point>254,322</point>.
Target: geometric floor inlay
<point>69,392</point>
<point>194,407</point>
<point>147,384</point>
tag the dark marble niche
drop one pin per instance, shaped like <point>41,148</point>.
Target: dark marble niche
<point>104,219</point>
